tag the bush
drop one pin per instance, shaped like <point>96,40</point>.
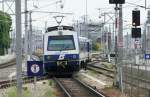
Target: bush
<point>96,47</point>
<point>5,26</point>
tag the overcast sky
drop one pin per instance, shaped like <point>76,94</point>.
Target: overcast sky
<point>78,8</point>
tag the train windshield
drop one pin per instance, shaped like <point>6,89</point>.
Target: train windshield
<point>59,43</point>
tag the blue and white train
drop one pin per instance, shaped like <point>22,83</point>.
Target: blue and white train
<point>64,51</point>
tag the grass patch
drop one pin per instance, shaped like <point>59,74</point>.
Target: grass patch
<point>50,82</point>
<point>92,72</point>
<point>12,92</point>
<point>44,90</point>
<point>109,88</point>
<point>48,93</point>
<point>108,65</point>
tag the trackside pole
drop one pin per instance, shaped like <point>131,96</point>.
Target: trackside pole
<point>120,48</point>
<point>116,79</point>
<point>35,80</point>
<point>18,47</point>
<point>26,31</point>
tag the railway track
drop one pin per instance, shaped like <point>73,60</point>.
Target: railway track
<point>75,88</point>
<point>13,62</point>
<point>8,83</point>
<point>102,70</point>
<point>5,65</point>
<point>130,79</point>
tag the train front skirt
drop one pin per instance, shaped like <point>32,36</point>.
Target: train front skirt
<point>62,66</point>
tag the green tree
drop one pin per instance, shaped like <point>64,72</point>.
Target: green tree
<point>96,46</point>
<point>5,25</point>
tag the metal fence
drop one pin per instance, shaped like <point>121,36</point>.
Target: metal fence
<point>136,73</point>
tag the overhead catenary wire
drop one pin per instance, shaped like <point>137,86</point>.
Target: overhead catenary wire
<point>47,5</point>
<point>44,16</point>
<point>131,4</point>
<point>137,5</point>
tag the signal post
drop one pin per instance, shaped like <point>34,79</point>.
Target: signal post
<point>118,42</point>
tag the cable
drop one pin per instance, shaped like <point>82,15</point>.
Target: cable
<point>136,5</point>
<point>133,3</point>
<point>47,5</point>
<point>136,1</point>
<point>34,4</point>
<point>42,17</point>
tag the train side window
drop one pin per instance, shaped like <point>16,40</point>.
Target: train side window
<point>81,46</point>
<point>90,46</point>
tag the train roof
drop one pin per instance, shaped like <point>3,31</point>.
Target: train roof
<point>56,28</point>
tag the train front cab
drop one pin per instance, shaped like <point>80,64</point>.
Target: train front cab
<point>61,54</point>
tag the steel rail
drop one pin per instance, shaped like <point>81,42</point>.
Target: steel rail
<point>62,87</point>
<point>103,68</point>
<point>8,83</point>
<point>85,86</point>
<point>143,81</point>
<point>91,89</point>
<point>99,70</point>
<point>8,64</point>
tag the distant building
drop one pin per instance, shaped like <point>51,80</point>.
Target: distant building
<point>97,32</point>
<point>37,40</point>
<point>91,30</point>
<point>13,42</point>
<point>132,43</point>
<point>146,40</point>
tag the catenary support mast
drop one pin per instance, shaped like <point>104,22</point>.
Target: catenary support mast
<point>18,47</point>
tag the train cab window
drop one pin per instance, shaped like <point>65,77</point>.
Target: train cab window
<point>59,43</point>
